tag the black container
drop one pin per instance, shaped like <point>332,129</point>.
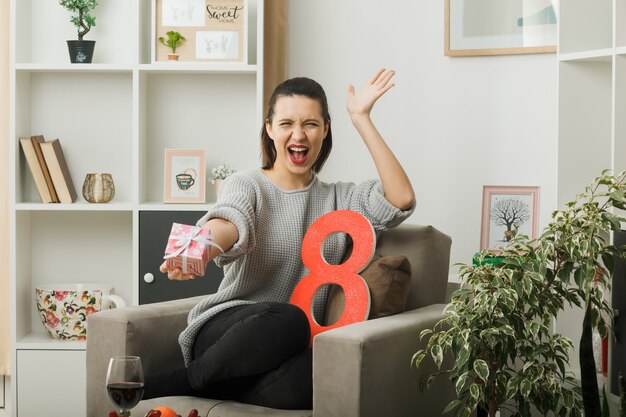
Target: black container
<point>81,52</point>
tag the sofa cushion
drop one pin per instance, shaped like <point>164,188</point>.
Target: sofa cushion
<point>388,279</point>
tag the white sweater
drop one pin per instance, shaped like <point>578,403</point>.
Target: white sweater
<point>265,264</point>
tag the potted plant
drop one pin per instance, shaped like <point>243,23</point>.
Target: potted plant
<point>497,326</point>
<point>81,51</point>
<point>220,173</point>
<point>174,40</point>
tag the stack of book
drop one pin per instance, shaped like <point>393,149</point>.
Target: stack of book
<point>49,169</point>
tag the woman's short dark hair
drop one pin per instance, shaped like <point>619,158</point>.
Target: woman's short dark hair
<point>299,86</point>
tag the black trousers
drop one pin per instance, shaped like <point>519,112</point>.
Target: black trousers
<point>256,354</point>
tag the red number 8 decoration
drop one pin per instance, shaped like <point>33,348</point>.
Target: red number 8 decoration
<point>346,274</point>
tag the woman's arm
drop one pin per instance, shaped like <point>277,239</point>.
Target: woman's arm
<point>396,184</point>
<point>224,234</point>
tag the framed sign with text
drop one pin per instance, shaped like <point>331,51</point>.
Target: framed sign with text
<point>213,30</point>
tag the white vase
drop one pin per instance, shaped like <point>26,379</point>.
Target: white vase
<point>218,186</point>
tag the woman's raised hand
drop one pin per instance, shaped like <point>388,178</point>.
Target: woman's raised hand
<point>361,103</point>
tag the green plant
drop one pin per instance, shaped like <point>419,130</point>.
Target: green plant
<point>83,20</point>
<point>497,326</point>
<point>174,40</point>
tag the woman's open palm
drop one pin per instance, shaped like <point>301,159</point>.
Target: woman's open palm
<point>362,102</point>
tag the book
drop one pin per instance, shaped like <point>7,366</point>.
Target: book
<point>37,141</point>
<point>36,170</point>
<point>59,171</point>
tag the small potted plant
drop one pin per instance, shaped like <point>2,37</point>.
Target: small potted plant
<point>220,173</point>
<point>174,40</point>
<point>81,51</point>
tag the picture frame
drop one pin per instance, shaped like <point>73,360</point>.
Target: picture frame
<point>506,212</point>
<point>185,176</point>
<point>496,27</point>
<point>215,30</point>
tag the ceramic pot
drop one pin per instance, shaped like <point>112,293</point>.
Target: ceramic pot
<point>81,52</point>
<point>218,187</point>
<point>98,188</point>
<point>172,57</point>
<point>63,308</point>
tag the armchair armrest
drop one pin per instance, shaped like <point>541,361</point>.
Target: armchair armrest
<point>364,369</point>
<point>149,331</point>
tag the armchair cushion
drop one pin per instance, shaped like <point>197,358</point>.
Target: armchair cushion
<point>389,281</point>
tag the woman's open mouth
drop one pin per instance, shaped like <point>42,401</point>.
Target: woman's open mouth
<point>298,154</point>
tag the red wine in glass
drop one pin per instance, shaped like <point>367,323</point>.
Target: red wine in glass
<point>125,395</point>
<point>125,382</point>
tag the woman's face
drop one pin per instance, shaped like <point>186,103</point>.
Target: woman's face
<point>298,131</point>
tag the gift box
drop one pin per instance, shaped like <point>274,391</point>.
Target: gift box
<point>188,248</point>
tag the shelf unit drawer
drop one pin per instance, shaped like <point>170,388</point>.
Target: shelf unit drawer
<point>51,383</point>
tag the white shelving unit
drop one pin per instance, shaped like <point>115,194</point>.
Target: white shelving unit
<point>115,115</point>
<point>592,102</point>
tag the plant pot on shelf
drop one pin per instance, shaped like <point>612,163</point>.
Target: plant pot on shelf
<point>218,186</point>
<point>81,52</point>
<point>172,57</point>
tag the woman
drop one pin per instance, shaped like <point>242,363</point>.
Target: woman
<point>245,342</point>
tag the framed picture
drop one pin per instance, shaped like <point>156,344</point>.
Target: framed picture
<point>214,30</point>
<point>184,176</point>
<point>496,27</point>
<point>507,212</point>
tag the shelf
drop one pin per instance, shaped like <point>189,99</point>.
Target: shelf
<point>585,124</point>
<point>66,105</point>
<point>596,55</point>
<point>620,23</point>
<point>97,245</point>
<point>585,25</point>
<point>160,67</point>
<point>155,206</point>
<point>77,206</point>
<point>195,111</point>
<point>75,68</point>
<point>195,67</point>
<point>620,50</point>
<point>116,115</point>
<point>43,341</point>
<point>42,28</point>
<point>619,152</point>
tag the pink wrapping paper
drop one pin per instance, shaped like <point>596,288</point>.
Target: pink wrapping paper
<point>188,248</point>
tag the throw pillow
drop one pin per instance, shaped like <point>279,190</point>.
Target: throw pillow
<point>389,281</point>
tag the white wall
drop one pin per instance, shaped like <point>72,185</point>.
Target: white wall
<point>456,124</point>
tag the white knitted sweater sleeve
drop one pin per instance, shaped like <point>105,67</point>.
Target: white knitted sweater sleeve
<point>368,198</point>
<point>236,204</point>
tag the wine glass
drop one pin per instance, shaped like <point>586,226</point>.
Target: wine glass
<point>125,382</point>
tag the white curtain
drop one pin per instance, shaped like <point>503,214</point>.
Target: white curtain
<point>5,327</point>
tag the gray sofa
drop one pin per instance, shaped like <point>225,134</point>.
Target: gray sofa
<point>362,369</point>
